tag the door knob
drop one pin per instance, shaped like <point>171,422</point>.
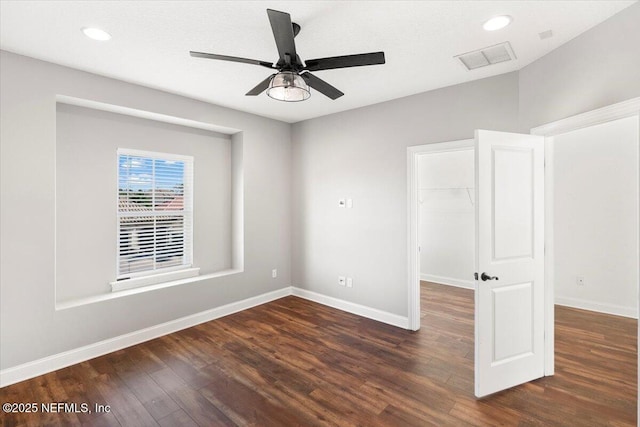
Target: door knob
<point>485,277</point>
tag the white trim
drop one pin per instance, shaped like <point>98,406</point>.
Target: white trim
<point>413,241</point>
<point>61,360</point>
<point>549,269</point>
<point>617,111</point>
<point>104,297</point>
<point>350,307</point>
<point>154,279</point>
<point>134,112</point>
<point>582,304</point>
<point>156,155</point>
<point>450,281</point>
<point>413,258</point>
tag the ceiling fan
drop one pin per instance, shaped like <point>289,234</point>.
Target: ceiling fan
<point>293,79</point>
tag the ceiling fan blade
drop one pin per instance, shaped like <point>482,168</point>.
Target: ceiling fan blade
<point>230,58</point>
<point>261,87</point>
<point>321,86</point>
<point>283,33</point>
<point>346,61</point>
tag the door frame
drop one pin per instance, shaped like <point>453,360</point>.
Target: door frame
<point>621,110</point>
<point>413,229</point>
<point>616,111</point>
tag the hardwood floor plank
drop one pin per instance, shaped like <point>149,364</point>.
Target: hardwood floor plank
<point>246,406</point>
<point>294,362</point>
<point>201,410</point>
<point>478,413</point>
<point>77,380</point>
<point>178,418</point>
<point>127,409</point>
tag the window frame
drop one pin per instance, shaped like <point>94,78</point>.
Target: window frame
<point>156,275</point>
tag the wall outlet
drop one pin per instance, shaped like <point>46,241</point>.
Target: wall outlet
<point>349,282</point>
<point>342,280</point>
<point>274,273</point>
<point>580,281</point>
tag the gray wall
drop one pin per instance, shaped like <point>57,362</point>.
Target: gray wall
<point>595,212</point>
<point>362,154</point>
<point>30,327</point>
<point>358,154</point>
<point>86,186</point>
<point>598,68</point>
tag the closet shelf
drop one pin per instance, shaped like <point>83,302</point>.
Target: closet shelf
<point>448,188</point>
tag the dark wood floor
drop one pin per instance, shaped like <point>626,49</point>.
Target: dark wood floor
<point>295,363</point>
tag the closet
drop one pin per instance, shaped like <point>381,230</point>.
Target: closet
<point>446,193</point>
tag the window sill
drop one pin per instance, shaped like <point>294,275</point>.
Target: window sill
<point>138,282</point>
<point>114,295</point>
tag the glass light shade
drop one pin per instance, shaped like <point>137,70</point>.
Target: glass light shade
<point>289,87</point>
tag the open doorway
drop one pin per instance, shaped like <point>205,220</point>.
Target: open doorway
<point>589,120</point>
<point>446,195</point>
<point>593,243</point>
<point>424,188</point>
<point>416,152</point>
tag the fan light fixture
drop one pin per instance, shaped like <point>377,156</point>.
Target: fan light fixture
<point>96,34</point>
<point>289,87</point>
<point>293,78</point>
<point>497,22</point>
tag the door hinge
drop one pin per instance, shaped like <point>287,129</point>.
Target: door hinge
<point>475,275</point>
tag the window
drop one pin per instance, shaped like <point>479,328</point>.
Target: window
<point>155,215</point>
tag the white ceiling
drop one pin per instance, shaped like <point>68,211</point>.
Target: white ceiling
<point>152,39</point>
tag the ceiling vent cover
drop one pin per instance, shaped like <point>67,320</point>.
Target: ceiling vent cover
<point>487,56</point>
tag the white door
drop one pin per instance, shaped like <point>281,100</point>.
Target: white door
<point>509,297</point>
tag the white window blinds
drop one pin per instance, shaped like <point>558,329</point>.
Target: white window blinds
<point>155,213</point>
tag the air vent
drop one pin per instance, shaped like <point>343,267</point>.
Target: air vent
<point>545,34</point>
<point>487,56</point>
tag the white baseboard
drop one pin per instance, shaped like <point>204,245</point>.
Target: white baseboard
<point>467,284</point>
<point>350,307</point>
<point>617,310</point>
<point>61,360</point>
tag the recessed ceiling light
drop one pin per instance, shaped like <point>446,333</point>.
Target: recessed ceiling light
<point>497,22</point>
<point>96,34</point>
